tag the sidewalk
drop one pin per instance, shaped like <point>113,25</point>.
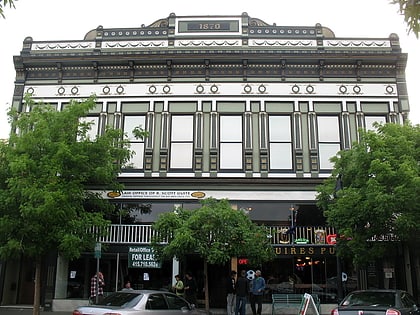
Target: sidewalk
<point>25,310</point>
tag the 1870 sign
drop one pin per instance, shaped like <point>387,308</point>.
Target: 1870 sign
<point>142,257</point>
<point>209,26</point>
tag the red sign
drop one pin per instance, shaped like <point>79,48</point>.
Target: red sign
<point>331,239</point>
<point>242,261</point>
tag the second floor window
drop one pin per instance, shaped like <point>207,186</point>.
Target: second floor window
<point>328,140</point>
<point>94,126</point>
<point>370,120</point>
<point>136,145</point>
<point>182,139</point>
<point>280,142</point>
<point>231,142</point>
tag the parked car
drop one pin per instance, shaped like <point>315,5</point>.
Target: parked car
<point>138,302</point>
<point>377,302</point>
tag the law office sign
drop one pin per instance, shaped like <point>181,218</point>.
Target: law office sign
<point>142,257</point>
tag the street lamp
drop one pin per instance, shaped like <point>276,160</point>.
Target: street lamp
<point>340,293</point>
<point>293,214</point>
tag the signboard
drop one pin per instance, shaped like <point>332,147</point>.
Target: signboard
<point>308,306</point>
<point>332,239</point>
<point>98,250</point>
<point>142,257</point>
<point>209,26</point>
<point>306,250</point>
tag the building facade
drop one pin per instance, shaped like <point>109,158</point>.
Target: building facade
<point>235,108</point>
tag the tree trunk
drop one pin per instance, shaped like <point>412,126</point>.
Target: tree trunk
<point>37,291</point>
<point>206,288</point>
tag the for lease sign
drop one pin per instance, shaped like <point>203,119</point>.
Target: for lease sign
<point>142,257</point>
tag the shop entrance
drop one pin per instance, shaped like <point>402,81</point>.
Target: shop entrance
<point>303,274</point>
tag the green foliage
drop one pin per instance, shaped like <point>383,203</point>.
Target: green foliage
<point>5,3</point>
<point>411,11</point>
<point>45,172</point>
<point>215,231</point>
<point>380,191</point>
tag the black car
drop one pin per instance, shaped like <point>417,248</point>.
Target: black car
<point>377,302</point>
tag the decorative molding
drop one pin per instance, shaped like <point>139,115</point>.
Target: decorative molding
<point>134,44</point>
<point>341,43</point>
<point>207,43</point>
<point>44,46</point>
<point>257,89</point>
<point>282,43</point>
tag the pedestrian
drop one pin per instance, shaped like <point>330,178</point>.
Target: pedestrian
<point>127,286</point>
<point>190,289</point>
<point>230,290</point>
<point>242,290</point>
<point>257,291</point>
<point>97,284</point>
<point>178,286</point>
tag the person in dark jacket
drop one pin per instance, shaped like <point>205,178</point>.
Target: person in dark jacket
<point>190,289</point>
<point>230,290</point>
<point>242,290</point>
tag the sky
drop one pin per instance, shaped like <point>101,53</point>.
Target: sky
<point>45,20</point>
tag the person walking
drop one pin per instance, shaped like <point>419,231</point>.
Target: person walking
<point>178,286</point>
<point>242,290</point>
<point>230,290</point>
<point>190,289</point>
<point>97,284</point>
<point>257,291</point>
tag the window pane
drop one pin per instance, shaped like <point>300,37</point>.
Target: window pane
<point>326,151</point>
<point>93,131</point>
<point>369,120</point>
<point>231,155</point>
<point>130,122</point>
<point>182,128</point>
<point>280,156</point>
<point>176,303</point>
<point>231,128</point>
<point>156,302</point>
<point>137,160</point>
<point>280,128</point>
<point>328,129</point>
<point>181,155</point>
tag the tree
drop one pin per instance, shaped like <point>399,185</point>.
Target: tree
<point>374,191</point>
<point>46,169</point>
<point>215,232</point>
<point>5,3</point>
<point>411,11</point>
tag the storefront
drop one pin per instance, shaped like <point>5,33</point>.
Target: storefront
<point>128,255</point>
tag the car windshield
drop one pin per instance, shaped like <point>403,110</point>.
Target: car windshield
<point>370,299</point>
<point>122,299</point>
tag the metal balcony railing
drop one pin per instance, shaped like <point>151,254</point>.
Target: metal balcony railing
<point>143,233</point>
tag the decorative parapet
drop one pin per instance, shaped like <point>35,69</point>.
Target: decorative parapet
<point>357,43</point>
<point>282,43</point>
<point>134,44</point>
<point>217,43</point>
<point>213,32</point>
<point>58,46</point>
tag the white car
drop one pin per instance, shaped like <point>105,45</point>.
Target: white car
<point>140,302</point>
